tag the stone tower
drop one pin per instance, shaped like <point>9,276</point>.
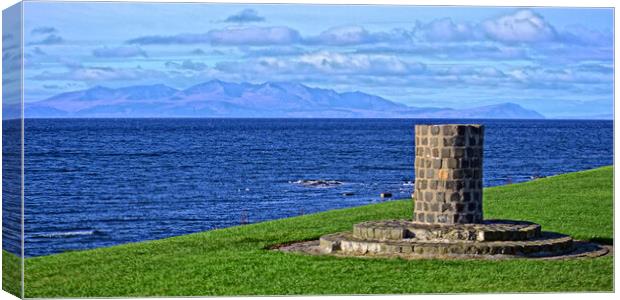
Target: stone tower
<point>447,214</point>
<point>448,171</point>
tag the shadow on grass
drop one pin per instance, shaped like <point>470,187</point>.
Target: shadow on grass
<point>280,245</point>
<point>602,241</point>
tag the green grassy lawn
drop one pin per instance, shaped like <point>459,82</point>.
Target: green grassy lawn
<point>11,273</point>
<point>234,261</point>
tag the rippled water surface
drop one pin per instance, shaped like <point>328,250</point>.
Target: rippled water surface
<point>100,182</point>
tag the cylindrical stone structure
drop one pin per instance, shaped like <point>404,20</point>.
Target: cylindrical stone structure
<point>448,174</point>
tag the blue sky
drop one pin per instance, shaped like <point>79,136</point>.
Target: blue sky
<point>558,61</point>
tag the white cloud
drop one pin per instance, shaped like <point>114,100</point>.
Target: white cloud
<point>333,62</point>
<point>52,39</point>
<point>351,35</point>
<point>122,51</point>
<point>186,65</point>
<point>540,76</point>
<point>43,30</point>
<point>254,36</point>
<point>245,16</point>
<point>522,26</point>
<point>100,74</point>
<point>445,30</point>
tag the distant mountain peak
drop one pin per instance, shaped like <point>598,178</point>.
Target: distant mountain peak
<point>507,105</point>
<point>508,110</point>
<point>217,98</point>
<point>98,87</point>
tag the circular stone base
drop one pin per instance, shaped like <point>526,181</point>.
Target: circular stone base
<point>406,239</point>
<point>490,230</point>
<point>581,249</point>
<point>547,244</point>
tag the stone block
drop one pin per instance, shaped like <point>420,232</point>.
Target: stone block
<point>421,184</point>
<point>455,197</point>
<point>463,163</point>
<point>433,185</point>
<point>448,130</point>
<point>458,152</point>
<point>442,219</point>
<point>466,196</point>
<point>428,196</point>
<point>445,152</point>
<point>418,205</point>
<point>430,218</point>
<point>450,163</point>
<point>440,196</point>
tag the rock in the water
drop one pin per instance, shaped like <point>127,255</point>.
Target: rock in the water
<point>348,194</point>
<point>386,195</point>
<point>318,182</point>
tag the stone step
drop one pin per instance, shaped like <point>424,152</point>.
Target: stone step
<point>547,244</point>
<point>489,230</point>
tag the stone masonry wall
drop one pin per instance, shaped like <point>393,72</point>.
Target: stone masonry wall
<point>448,171</point>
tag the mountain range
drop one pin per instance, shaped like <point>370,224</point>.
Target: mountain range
<point>224,99</point>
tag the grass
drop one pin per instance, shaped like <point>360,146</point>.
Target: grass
<point>11,273</point>
<point>233,261</point>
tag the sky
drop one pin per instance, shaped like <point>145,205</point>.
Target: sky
<point>557,61</point>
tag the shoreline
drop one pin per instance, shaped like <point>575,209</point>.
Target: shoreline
<point>275,220</point>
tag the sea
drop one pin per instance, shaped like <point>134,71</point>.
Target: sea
<point>100,182</point>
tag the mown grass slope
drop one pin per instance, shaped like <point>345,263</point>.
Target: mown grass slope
<point>11,273</point>
<point>233,261</point>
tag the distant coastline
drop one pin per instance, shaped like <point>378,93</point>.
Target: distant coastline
<point>217,98</point>
<point>567,119</point>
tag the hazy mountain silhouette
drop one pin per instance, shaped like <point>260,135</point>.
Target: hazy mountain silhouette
<point>224,99</point>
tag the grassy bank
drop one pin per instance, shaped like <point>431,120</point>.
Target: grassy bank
<point>233,261</point>
<point>11,273</point>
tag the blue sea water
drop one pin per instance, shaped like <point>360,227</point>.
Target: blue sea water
<point>101,182</point>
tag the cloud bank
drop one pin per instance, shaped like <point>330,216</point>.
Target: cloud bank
<point>122,51</point>
<point>245,16</point>
<point>43,30</point>
<point>522,26</point>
